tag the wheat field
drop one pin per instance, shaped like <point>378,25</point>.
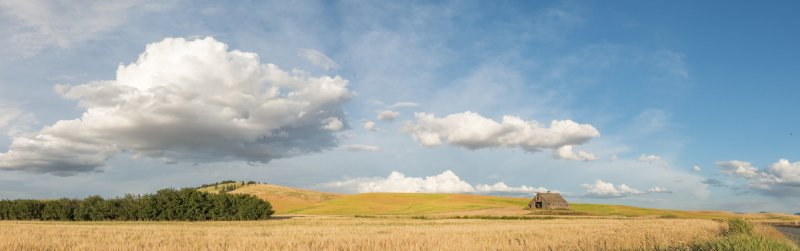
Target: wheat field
<point>288,200</point>
<point>347,233</point>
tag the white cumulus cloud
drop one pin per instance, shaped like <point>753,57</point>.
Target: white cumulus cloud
<point>602,189</point>
<point>649,158</point>
<point>565,152</point>
<point>361,148</point>
<point>333,124</point>
<point>473,131</point>
<point>188,100</point>
<point>785,172</point>
<point>369,125</point>
<point>445,182</point>
<point>396,182</point>
<point>388,115</point>
<point>696,169</point>
<point>319,59</point>
<point>738,168</point>
<point>501,187</point>
<point>781,178</point>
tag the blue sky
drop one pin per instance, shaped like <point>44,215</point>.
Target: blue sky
<point>351,96</point>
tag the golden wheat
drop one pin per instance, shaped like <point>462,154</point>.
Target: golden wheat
<point>343,233</point>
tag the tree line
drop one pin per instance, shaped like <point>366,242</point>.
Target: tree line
<point>185,204</point>
<point>227,185</point>
<point>243,183</point>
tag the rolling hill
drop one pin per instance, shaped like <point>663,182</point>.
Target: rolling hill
<point>286,200</point>
<point>411,204</point>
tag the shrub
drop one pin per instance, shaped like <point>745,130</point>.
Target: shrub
<point>744,242</point>
<point>740,235</point>
<point>739,226</point>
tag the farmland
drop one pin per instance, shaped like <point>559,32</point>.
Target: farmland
<point>332,233</point>
<point>286,200</point>
<point>312,220</point>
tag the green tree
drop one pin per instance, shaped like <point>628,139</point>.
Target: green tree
<point>166,204</point>
<point>169,204</point>
<point>197,203</point>
<point>5,206</point>
<point>27,210</point>
<point>93,208</point>
<point>61,209</point>
<point>150,209</point>
<point>251,208</point>
<point>128,208</point>
<point>223,207</point>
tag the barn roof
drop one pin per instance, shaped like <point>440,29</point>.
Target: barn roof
<point>554,197</point>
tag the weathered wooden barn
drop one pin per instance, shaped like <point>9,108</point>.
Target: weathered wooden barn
<point>548,200</point>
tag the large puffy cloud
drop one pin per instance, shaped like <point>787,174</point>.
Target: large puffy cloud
<point>781,178</point>
<point>602,189</point>
<point>192,101</point>
<point>445,182</point>
<point>473,131</point>
<point>785,171</point>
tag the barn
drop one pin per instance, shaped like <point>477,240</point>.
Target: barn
<point>548,200</point>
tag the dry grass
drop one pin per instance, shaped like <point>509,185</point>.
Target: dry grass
<point>287,199</point>
<point>410,204</point>
<point>345,233</point>
<point>744,235</point>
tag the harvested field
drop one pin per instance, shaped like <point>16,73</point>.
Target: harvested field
<point>337,233</point>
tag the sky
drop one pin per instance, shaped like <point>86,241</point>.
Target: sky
<point>668,104</point>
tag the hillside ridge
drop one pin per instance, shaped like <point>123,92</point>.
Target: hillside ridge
<point>288,200</point>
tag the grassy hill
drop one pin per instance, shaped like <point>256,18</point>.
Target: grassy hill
<point>411,204</point>
<point>286,200</point>
<point>223,186</point>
